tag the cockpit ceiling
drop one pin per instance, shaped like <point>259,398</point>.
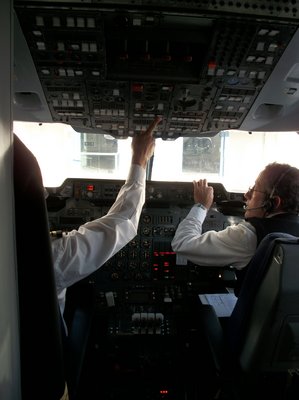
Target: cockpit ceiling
<point>109,67</point>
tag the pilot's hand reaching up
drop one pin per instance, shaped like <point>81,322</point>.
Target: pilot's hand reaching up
<point>83,251</point>
<point>143,144</point>
<point>203,193</point>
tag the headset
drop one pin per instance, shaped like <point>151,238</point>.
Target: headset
<point>269,203</point>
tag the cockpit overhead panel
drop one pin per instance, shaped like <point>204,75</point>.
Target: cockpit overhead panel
<point>110,69</point>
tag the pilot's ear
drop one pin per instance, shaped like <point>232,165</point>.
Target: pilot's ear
<point>277,203</point>
<point>272,204</point>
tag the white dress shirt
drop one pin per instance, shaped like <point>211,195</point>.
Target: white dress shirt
<point>233,246</point>
<point>81,252</point>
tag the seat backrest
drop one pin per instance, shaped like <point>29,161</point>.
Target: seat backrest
<point>263,330</point>
<point>41,350</point>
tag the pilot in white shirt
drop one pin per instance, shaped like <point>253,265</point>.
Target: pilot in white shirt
<point>80,252</point>
<point>272,205</point>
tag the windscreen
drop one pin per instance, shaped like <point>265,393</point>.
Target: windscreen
<point>233,158</point>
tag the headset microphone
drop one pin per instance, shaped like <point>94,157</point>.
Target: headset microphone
<point>253,208</point>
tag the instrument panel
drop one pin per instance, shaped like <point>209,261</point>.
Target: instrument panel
<point>144,337</point>
<point>148,258</point>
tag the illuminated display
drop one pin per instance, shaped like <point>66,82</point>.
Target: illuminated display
<point>90,188</point>
<point>163,264</point>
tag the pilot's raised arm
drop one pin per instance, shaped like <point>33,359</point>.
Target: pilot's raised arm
<point>81,252</point>
<point>210,248</point>
<point>272,205</point>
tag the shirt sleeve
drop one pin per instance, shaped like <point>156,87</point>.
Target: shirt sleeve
<point>81,252</point>
<point>232,246</point>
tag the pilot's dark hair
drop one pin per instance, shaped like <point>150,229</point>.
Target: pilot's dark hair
<point>282,180</point>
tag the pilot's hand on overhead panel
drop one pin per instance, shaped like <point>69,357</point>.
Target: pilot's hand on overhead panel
<point>203,193</point>
<point>143,144</point>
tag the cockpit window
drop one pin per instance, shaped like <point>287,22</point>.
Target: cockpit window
<point>233,158</point>
<point>64,153</point>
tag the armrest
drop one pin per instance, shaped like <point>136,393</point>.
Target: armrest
<point>77,344</point>
<point>214,335</point>
<point>79,311</point>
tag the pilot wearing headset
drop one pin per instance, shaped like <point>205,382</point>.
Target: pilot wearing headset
<point>272,205</point>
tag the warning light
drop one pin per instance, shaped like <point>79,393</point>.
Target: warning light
<point>164,392</point>
<point>211,68</point>
<point>90,188</point>
<point>212,64</point>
